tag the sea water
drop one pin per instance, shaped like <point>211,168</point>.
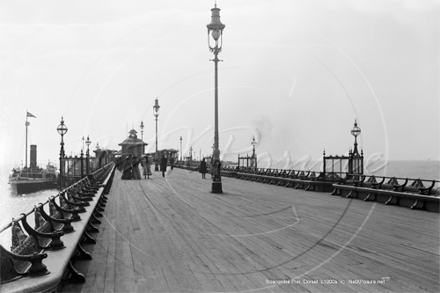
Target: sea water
<point>12,205</point>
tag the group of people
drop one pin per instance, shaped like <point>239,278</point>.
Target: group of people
<point>215,170</point>
<point>128,164</point>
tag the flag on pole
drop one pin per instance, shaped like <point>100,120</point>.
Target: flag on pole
<point>29,115</point>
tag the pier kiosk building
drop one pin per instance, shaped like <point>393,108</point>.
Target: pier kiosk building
<point>133,145</point>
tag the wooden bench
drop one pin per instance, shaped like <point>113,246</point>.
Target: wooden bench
<point>392,192</point>
<point>27,252</point>
<point>269,176</point>
<point>292,175</point>
<point>259,175</point>
<point>284,175</point>
<point>57,267</point>
<point>297,181</point>
<point>228,171</point>
<point>254,175</point>
<point>426,190</point>
<point>307,180</point>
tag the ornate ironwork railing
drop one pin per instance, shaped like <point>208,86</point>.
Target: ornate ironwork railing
<point>53,219</point>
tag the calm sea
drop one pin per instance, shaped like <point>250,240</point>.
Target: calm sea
<point>13,205</point>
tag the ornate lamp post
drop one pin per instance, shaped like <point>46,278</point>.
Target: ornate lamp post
<point>254,159</point>
<point>82,159</point>
<point>215,28</point>
<point>156,108</point>
<point>142,130</point>
<point>181,158</point>
<point>355,132</point>
<point>62,129</point>
<point>191,154</point>
<point>97,163</point>
<point>88,142</point>
<point>356,164</point>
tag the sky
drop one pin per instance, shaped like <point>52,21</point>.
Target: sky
<point>295,75</point>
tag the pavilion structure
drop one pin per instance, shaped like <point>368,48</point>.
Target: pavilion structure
<point>133,145</point>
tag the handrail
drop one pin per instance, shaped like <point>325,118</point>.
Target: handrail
<point>289,172</point>
<point>296,171</point>
<point>398,178</point>
<point>29,244</point>
<point>23,215</point>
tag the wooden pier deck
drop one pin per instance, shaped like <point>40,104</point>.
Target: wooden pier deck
<point>172,235</point>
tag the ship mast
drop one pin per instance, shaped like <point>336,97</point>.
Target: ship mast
<point>27,124</point>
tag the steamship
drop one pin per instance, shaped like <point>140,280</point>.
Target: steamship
<point>33,178</point>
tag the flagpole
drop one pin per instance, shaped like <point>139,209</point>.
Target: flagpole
<point>27,123</point>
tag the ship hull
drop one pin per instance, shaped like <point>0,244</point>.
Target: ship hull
<point>30,186</point>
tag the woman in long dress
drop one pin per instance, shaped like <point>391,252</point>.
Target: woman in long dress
<point>127,168</point>
<point>136,172</point>
<point>146,167</point>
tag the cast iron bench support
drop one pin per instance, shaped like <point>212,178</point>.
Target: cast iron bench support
<point>66,224</point>
<point>44,240</point>
<point>60,262</point>
<point>394,197</point>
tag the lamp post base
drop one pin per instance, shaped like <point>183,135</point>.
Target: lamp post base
<point>216,187</point>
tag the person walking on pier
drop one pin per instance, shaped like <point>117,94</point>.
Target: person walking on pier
<point>127,167</point>
<point>136,172</point>
<point>203,168</point>
<point>172,163</point>
<point>163,165</point>
<point>146,167</point>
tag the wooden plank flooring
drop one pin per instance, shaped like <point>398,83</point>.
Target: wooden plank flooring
<point>172,235</point>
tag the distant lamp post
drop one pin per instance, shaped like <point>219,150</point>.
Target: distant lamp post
<point>82,159</point>
<point>215,29</point>
<point>355,132</point>
<point>88,142</point>
<point>142,130</point>
<point>191,154</point>
<point>356,160</point>
<point>156,108</point>
<point>181,158</point>
<point>62,130</point>
<point>254,158</point>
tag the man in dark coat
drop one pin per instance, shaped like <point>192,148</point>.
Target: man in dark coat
<point>172,163</point>
<point>203,168</point>
<point>163,165</point>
